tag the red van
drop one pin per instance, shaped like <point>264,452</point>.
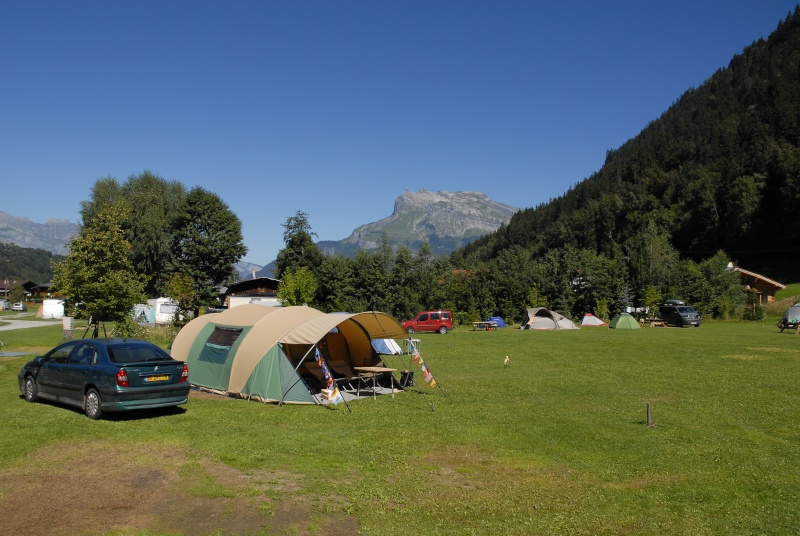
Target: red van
<point>440,321</point>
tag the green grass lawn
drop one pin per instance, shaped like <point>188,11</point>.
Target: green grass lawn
<point>557,443</point>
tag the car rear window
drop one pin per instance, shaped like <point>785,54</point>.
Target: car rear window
<point>136,353</point>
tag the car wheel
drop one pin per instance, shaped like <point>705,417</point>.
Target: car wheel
<point>410,331</point>
<point>31,390</point>
<point>92,404</point>
<point>443,330</point>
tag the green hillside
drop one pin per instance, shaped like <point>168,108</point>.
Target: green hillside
<point>719,170</point>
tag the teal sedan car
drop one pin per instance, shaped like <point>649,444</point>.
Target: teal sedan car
<point>105,375</point>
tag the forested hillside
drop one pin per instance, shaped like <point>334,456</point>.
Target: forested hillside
<point>26,263</point>
<point>719,170</point>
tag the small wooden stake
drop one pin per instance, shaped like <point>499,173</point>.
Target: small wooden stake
<point>649,421</point>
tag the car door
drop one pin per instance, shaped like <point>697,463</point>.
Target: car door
<point>422,322</point>
<point>50,375</point>
<point>434,322</point>
<point>77,369</point>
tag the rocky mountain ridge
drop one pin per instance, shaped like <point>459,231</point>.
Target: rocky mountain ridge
<point>446,220</point>
<point>52,235</point>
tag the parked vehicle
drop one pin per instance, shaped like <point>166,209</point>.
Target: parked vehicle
<point>5,305</point>
<point>53,308</point>
<point>440,321</point>
<point>679,314</point>
<point>105,375</point>
<point>791,318</point>
<point>19,306</point>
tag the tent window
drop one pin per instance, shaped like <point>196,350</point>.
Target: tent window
<point>219,344</point>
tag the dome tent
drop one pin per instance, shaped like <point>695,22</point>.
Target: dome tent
<point>590,320</point>
<point>624,321</point>
<point>542,318</point>
<point>267,353</point>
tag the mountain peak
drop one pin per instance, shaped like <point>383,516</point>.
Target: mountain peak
<point>446,220</point>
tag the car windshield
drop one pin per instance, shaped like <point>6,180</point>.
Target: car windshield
<point>136,353</point>
<point>686,310</point>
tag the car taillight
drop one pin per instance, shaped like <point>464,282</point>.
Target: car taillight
<point>184,374</point>
<point>122,378</point>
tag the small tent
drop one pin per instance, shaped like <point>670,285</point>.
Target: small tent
<point>590,320</point>
<point>624,321</point>
<point>498,320</point>
<point>791,318</point>
<point>543,318</point>
<point>268,353</point>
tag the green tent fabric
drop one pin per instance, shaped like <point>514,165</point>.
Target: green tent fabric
<point>624,321</point>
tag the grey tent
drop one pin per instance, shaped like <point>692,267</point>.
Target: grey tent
<point>543,318</point>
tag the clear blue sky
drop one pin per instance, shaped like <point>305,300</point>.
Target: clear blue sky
<point>335,107</point>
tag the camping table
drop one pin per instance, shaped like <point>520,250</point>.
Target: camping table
<point>488,326</point>
<point>365,373</point>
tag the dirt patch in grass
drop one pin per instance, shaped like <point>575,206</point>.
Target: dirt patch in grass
<point>93,489</point>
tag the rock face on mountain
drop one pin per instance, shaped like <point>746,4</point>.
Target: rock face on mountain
<point>52,235</point>
<point>446,220</point>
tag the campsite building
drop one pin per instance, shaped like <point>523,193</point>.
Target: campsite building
<point>263,290</point>
<point>764,287</point>
<point>268,353</point>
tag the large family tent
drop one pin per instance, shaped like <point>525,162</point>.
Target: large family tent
<point>590,320</point>
<point>543,318</point>
<point>624,321</point>
<point>268,353</point>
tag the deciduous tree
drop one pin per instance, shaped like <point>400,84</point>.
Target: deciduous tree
<point>206,243</point>
<point>98,272</point>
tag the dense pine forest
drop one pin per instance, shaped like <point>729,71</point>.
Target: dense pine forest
<point>719,170</point>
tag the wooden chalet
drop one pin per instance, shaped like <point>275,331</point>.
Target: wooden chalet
<point>764,287</point>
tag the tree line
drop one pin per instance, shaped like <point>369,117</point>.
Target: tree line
<point>149,237</point>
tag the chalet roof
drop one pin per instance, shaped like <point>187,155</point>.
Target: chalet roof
<point>7,283</point>
<point>759,277</point>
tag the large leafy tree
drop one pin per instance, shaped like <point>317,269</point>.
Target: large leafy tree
<point>98,271</point>
<point>206,243</point>
<point>152,201</point>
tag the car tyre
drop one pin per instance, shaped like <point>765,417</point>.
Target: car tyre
<point>31,390</point>
<point>443,329</point>
<point>410,331</point>
<point>92,404</point>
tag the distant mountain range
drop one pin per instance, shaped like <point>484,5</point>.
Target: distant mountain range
<point>52,235</point>
<point>446,220</point>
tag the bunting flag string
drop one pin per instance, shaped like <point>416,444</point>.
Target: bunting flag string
<point>336,397</point>
<point>427,375</point>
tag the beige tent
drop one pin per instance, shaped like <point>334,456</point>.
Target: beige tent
<point>543,318</point>
<point>267,353</point>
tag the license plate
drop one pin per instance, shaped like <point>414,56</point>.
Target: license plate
<point>156,378</point>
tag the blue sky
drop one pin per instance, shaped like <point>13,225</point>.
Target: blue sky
<point>335,107</point>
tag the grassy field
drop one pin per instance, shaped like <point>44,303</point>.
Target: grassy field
<point>557,443</point>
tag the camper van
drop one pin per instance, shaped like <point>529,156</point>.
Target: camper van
<point>164,310</point>
<point>53,308</point>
